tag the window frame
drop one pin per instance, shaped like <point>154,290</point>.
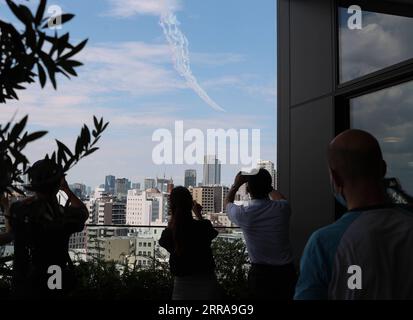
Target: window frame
<point>382,79</point>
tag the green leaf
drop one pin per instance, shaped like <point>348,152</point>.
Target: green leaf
<point>95,121</point>
<point>75,50</point>
<point>20,12</point>
<point>17,129</point>
<point>32,137</point>
<point>63,43</point>
<point>27,14</point>
<point>89,152</point>
<point>62,146</point>
<point>51,67</point>
<point>78,148</point>
<point>40,12</point>
<point>42,75</point>
<point>105,126</point>
<point>68,69</point>
<point>74,63</point>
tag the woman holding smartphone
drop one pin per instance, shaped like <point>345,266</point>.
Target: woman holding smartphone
<point>188,241</point>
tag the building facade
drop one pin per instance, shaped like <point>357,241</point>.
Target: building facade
<point>121,187</point>
<point>190,178</point>
<point>269,166</point>
<point>149,183</point>
<point>110,184</point>
<point>211,198</point>
<point>138,208</point>
<point>212,171</point>
<point>330,78</point>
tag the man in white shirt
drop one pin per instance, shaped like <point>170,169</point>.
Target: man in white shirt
<point>265,223</point>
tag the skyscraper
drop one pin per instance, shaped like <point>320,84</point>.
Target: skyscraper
<point>138,208</point>
<point>136,185</point>
<point>211,198</point>
<point>162,184</point>
<point>110,184</point>
<point>212,171</point>
<point>190,178</point>
<point>269,166</point>
<point>149,183</point>
<point>121,187</point>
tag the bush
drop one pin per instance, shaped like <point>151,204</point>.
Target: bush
<point>98,279</point>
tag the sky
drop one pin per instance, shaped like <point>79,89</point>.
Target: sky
<point>130,79</point>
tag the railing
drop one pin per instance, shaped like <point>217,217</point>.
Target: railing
<point>125,261</point>
<point>110,242</point>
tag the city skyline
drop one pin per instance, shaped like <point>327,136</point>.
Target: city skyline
<point>129,78</point>
<point>266,164</point>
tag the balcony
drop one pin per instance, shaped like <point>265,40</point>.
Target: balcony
<point>126,262</point>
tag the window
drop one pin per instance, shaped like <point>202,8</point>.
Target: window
<point>388,115</point>
<point>384,40</point>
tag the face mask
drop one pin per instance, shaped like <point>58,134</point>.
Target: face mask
<point>339,197</point>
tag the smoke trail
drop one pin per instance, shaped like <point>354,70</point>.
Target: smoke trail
<point>179,45</point>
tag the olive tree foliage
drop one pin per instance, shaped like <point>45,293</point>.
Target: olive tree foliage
<point>39,52</point>
<point>36,52</point>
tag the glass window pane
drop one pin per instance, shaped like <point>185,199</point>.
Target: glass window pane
<point>382,41</point>
<point>388,115</point>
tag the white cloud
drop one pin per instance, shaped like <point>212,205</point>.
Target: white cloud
<point>128,8</point>
<point>216,59</point>
<point>384,40</point>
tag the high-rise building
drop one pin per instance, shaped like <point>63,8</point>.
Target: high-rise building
<point>99,192</point>
<point>149,183</point>
<point>190,178</point>
<point>138,208</point>
<point>212,171</point>
<point>146,207</point>
<point>89,191</point>
<point>162,184</point>
<point>269,166</point>
<point>170,186</point>
<point>136,185</point>
<point>211,198</point>
<point>119,212</point>
<point>205,197</point>
<point>158,202</point>
<point>121,187</point>
<point>79,189</point>
<point>220,194</point>
<point>110,184</point>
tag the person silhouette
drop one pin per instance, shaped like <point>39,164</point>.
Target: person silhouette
<point>189,243</point>
<point>41,228</point>
<point>366,254</point>
<point>265,223</point>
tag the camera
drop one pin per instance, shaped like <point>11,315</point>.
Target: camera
<point>396,193</point>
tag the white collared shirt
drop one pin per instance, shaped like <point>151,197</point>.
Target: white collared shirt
<point>265,224</point>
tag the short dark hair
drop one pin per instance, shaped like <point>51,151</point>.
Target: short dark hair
<point>45,176</point>
<point>260,184</point>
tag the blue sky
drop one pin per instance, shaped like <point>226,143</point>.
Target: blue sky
<point>129,78</point>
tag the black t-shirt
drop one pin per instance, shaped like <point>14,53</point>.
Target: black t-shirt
<point>41,239</point>
<point>196,257</point>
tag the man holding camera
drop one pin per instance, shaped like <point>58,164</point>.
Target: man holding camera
<point>41,229</point>
<point>265,224</point>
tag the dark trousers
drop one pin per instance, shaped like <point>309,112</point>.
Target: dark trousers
<point>266,282</point>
